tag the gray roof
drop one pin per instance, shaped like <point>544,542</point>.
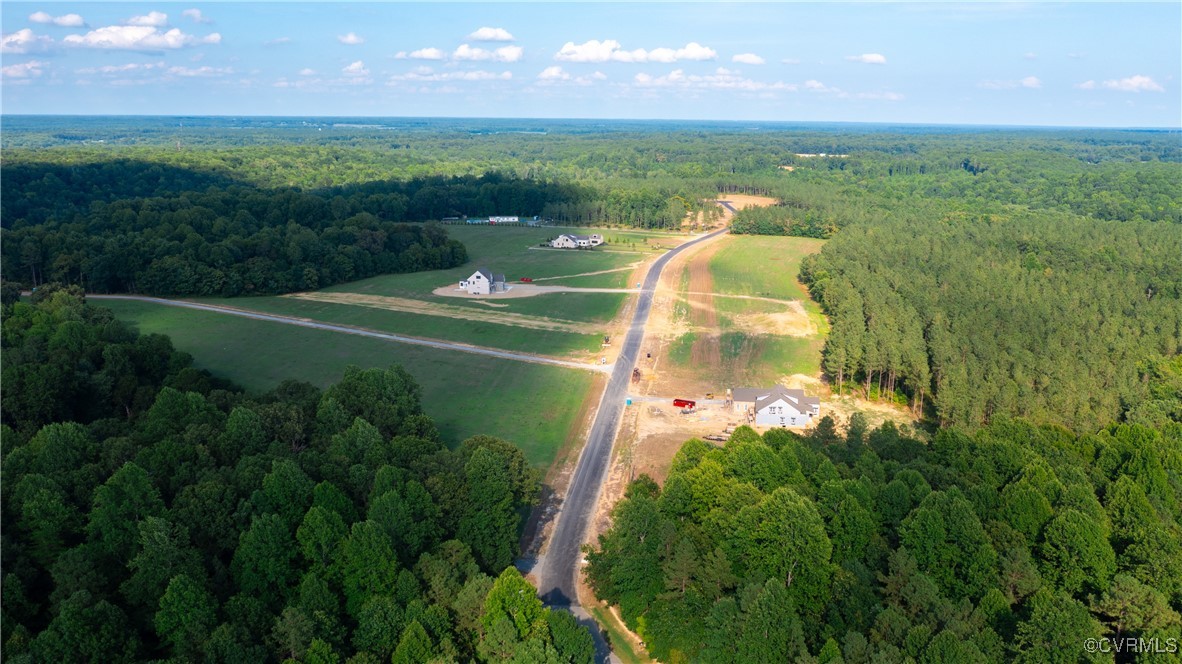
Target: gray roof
<point>492,278</point>
<point>761,397</point>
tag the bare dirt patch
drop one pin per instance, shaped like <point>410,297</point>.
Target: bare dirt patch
<point>448,311</point>
<point>740,201</point>
<point>794,322</point>
<point>706,352</point>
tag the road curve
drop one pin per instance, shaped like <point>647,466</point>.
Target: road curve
<point>557,571</point>
<point>362,332</point>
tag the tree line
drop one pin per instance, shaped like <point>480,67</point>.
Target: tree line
<point>1014,543</point>
<point>152,512</point>
<point>1036,314</point>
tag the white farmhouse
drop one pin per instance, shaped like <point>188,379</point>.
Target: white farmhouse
<point>776,406</point>
<point>483,282</point>
<point>568,241</point>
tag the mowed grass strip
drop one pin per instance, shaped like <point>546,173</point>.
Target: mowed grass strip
<point>762,266</point>
<point>479,333</point>
<point>534,406</point>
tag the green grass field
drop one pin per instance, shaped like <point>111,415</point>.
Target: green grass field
<point>511,251</point>
<point>762,265</point>
<point>492,335</point>
<point>533,406</point>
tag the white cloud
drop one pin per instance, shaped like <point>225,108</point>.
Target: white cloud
<point>422,54</point>
<point>307,71</point>
<point>554,73</point>
<point>1086,85</point>
<point>599,76</point>
<point>196,15</point>
<point>276,41</point>
<point>1030,82</point>
<point>65,21</point>
<point>1135,83</point>
<point>426,74</point>
<point>748,59</point>
<point>25,70</point>
<point>352,39</point>
<point>885,96</point>
<point>121,69</point>
<point>355,70</point>
<point>152,19</point>
<point>868,58</point>
<point>200,72</point>
<point>721,79</point>
<point>1077,55</point>
<point>491,34</point>
<point>1031,56</point>
<point>138,38</point>
<point>817,86</point>
<point>25,41</point>
<point>790,61</point>
<point>609,50</point>
<point>502,54</point>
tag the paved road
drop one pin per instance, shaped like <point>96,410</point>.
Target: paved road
<point>557,571</point>
<point>727,205</point>
<point>362,332</point>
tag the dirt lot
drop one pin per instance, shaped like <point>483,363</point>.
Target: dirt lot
<point>740,201</point>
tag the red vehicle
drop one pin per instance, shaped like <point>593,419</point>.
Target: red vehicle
<point>526,280</point>
<point>684,403</point>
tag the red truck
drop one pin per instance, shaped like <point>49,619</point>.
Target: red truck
<point>684,403</point>
<point>526,280</point>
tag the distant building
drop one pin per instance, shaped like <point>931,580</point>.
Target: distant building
<point>503,220</point>
<point>484,282</point>
<point>568,241</point>
<point>776,406</point>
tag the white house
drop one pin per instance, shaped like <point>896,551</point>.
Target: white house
<point>568,241</point>
<point>483,282</point>
<point>776,406</point>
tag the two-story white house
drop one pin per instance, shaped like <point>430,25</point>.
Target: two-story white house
<point>775,406</point>
<point>569,241</point>
<point>483,282</point>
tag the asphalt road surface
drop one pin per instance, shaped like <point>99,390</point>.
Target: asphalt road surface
<point>362,332</point>
<point>557,571</point>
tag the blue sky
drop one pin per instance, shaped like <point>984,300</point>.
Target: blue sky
<point>1071,64</point>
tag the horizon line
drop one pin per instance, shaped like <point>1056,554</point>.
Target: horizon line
<point>592,119</point>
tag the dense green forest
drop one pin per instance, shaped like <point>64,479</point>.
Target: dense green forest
<point>152,512</point>
<point>1044,315</point>
<point>1015,543</point>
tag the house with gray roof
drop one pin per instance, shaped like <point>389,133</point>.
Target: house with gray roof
<point>775,406</point>
<point>569,241</point>
<point>483,282</point>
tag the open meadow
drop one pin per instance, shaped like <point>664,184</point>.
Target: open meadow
<point>738,315</point>
<point>533,406</point>
<point>562,324</point>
